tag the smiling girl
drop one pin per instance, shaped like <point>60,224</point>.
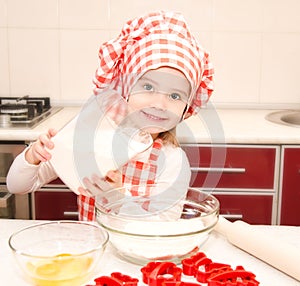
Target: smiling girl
<point>165,76</point>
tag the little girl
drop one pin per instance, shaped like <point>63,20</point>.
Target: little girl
<point>165,76</point>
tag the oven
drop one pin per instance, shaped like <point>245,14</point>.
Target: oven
<point>17,113</point>
<point>54,201</point>
<point>11,206</point>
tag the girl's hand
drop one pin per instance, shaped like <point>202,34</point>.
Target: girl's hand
<point>37,152</point>
<point>98,185</point>
<point>114,178</point>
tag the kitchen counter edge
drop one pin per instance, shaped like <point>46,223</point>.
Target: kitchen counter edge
<point>228,126</point>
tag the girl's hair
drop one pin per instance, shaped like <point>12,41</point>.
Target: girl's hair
<point>169,137</point>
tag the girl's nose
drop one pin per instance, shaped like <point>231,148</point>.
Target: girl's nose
<point>159,101</point>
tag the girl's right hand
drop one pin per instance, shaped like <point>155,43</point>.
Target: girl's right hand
<point>97,185</point>
<point>37,152</point>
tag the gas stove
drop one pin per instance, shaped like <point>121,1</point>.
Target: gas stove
<point>24,112</point>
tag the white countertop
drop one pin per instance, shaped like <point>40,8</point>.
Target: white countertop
<point>216,247</point>
<point>240,126</point>
<point>237,126</point>
<point>57,121</point>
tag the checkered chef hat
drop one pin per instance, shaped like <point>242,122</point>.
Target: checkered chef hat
<point>155,40</point>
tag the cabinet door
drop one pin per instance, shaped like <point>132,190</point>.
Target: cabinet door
<point>290,188</point>
<point>55,205</point>
<point>253,209</point>
<point>234,166</point>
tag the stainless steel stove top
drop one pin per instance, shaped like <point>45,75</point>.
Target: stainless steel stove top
<point>24,112</point>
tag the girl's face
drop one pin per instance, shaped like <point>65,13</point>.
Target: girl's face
<point>158,99</point>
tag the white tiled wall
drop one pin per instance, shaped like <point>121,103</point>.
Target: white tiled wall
<point>49,47</point>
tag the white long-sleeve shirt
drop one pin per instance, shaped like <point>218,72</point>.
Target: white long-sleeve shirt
<point>24,177</point>
<point>173,170</point>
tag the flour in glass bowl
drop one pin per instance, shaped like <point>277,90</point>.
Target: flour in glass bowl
<point>168,235</point>
<point>155,237</point>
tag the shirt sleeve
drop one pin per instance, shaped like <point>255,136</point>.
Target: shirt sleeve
<point>24,178</point>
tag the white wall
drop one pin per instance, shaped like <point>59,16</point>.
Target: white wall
<point>49,47</point>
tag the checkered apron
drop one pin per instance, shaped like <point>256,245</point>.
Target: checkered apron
<point>133,173</point>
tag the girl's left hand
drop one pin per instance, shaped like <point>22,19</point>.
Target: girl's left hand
<point>98,185</point>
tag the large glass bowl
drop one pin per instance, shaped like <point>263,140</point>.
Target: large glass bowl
<point>168,230</point>
<point>60,253</point>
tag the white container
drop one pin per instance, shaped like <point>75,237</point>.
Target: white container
<point>96,141</point>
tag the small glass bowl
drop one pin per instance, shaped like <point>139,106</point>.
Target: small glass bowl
<point>60,253</point>
<point>166,231</point>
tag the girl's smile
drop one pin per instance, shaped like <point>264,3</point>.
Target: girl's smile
<point>151,114</point>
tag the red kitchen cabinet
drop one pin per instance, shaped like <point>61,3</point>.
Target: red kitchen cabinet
<point>240,168</point>
<point>254,209</point>
<point>50,204</point>
<point>243,178</point>
<point>290,186</point>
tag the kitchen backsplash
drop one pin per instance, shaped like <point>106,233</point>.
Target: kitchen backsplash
<point>49,47</point>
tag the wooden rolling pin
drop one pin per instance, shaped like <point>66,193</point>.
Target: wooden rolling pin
<point>272,250</point>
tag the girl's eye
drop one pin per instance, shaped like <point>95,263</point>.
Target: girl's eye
<point>148,87</point>
<point>175,96</point>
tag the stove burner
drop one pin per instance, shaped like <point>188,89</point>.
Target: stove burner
<point>13,109</point>
<point>24,111</point>
<point>18,112</point>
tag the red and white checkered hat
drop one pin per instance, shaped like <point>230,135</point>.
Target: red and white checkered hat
<point>149,42</point>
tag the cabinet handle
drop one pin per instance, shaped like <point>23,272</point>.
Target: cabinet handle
<point>232,216</point>
<point>71,214</point>
<point>223,170</point>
